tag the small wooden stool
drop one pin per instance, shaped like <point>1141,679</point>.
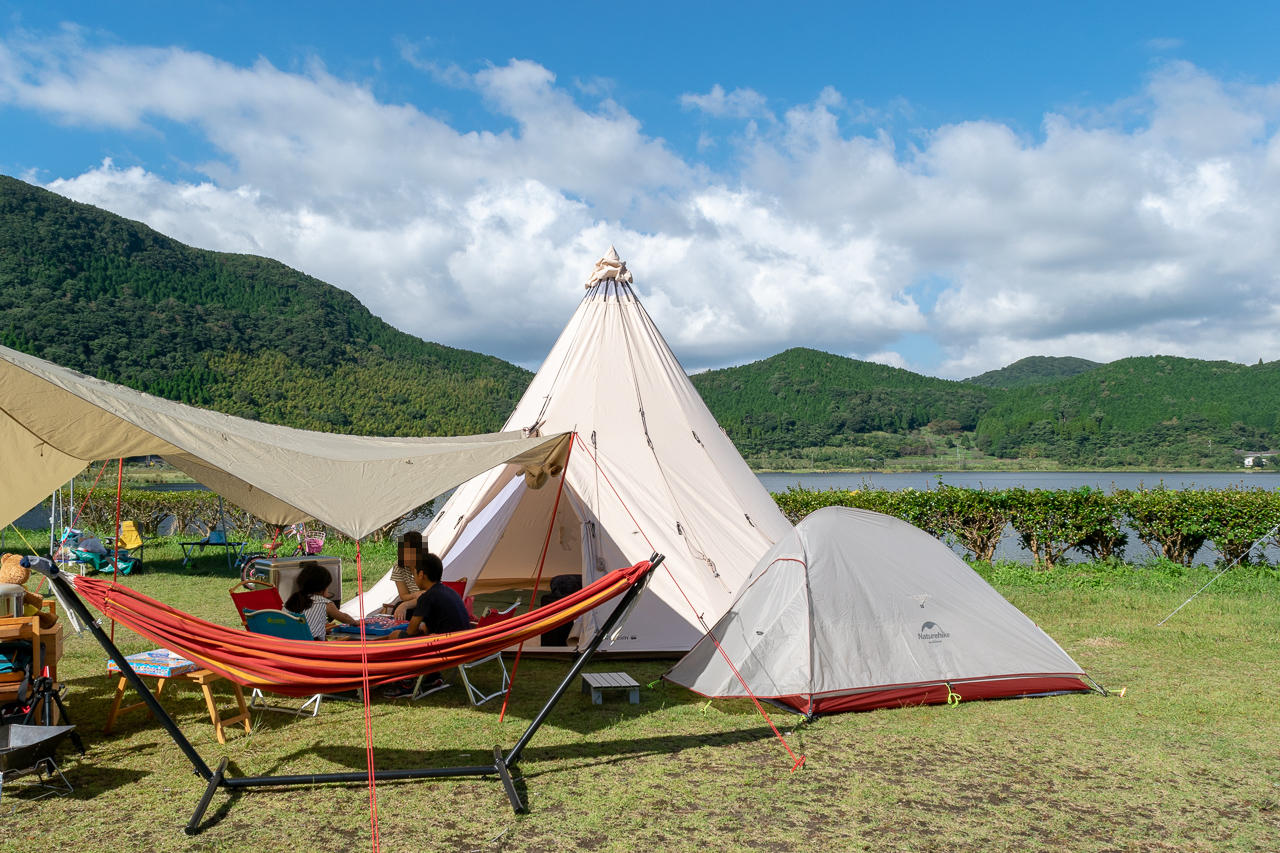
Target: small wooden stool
<point>204,678</point>
<point>595,682</point>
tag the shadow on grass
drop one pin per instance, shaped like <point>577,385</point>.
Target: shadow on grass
<point>569,756</point>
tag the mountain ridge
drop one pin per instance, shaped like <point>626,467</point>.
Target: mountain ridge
<point>249,336</point>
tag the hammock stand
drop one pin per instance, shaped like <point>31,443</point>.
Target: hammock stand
<point>501,766</point>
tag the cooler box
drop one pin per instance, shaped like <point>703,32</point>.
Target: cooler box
<point>283,572</point>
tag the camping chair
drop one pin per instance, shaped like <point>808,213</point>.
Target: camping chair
<point>105,562</point>
<point>460,587</point>
<point>282,624</point>
<point>131,539</point>
<point>256,595</point>
<point>477,698</point>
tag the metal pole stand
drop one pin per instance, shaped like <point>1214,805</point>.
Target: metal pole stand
<point>501,766</point>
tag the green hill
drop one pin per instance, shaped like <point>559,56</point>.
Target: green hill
<point>806,398</point>
<point>1034,370</point>
<point>93,291</point>
<point>1181,410</point>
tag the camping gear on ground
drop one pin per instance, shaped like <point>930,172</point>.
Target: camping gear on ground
<point>462,647</point>
<point>32,749</point>
<point>856,610</point>
<point>106,563</point>
<point>131,539</point>
<point>651,471</point>
<point>217,536</point>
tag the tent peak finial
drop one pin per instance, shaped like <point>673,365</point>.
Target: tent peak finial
<point>609,267</point>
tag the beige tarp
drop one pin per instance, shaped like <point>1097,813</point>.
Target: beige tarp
<point>54,421</point>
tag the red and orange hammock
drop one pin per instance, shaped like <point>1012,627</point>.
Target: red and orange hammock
<point>296,668</point>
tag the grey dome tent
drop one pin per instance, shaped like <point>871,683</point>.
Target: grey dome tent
<point>855,610</point>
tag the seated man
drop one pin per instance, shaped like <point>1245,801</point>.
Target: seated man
<point>438,610</point>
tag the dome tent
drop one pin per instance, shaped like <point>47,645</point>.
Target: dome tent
<point>651,470</point>
<point>856,610</point>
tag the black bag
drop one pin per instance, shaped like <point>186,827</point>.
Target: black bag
<point>562,586</point>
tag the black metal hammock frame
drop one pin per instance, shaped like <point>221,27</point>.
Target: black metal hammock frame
<point>502,765</point>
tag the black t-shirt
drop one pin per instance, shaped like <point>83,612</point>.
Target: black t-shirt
<point>442,611</point>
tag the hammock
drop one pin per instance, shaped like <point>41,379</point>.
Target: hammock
<point>297,668</point>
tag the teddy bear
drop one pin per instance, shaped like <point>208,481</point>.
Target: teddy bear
<point>13,572</point>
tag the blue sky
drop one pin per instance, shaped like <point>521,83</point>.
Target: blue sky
<point>946,187</point>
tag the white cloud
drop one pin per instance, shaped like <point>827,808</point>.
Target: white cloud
<point>740,103</point>
<point>1151,227</point>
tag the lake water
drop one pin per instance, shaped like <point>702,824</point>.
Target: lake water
<point>1106,480</point>
<point>1009,548</point>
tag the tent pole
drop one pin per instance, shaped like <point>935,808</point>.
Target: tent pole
<point>71,600</point>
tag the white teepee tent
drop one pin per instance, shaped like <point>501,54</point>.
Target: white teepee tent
<point>651,471</point>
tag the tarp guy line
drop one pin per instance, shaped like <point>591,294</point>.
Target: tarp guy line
<point>702,622</point>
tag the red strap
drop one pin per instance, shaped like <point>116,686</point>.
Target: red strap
<point>115,568</point>
<point>564,475</point>
<point>368,716</point>
<point>798,761</point>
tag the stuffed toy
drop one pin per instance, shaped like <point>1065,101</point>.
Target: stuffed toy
<point>12,571</point>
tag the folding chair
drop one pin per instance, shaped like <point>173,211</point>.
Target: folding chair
<point>473,693</point>
<point>256,595</point>
<point>131,539</point>
<point>285,626</point>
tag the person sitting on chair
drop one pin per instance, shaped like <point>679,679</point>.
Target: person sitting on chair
<point>311,599</point>
<point>437,610</point>
<point>409,555</point>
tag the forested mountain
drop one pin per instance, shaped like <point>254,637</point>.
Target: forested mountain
<point>1159,411</point>
<point>806,398</point>
<point>93,291</point>
<point>1034,370</point>
<point>1179,409</point>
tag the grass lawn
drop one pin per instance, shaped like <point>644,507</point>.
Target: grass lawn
<point>1187,760</point>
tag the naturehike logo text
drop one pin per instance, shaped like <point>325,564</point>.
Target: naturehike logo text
<point>931,632</point>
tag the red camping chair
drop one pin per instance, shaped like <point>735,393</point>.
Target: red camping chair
<point>460,587</point>
<point>256,595</point>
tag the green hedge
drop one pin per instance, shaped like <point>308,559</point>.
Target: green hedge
<point>194,512</point>
<point>1174,525</point>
